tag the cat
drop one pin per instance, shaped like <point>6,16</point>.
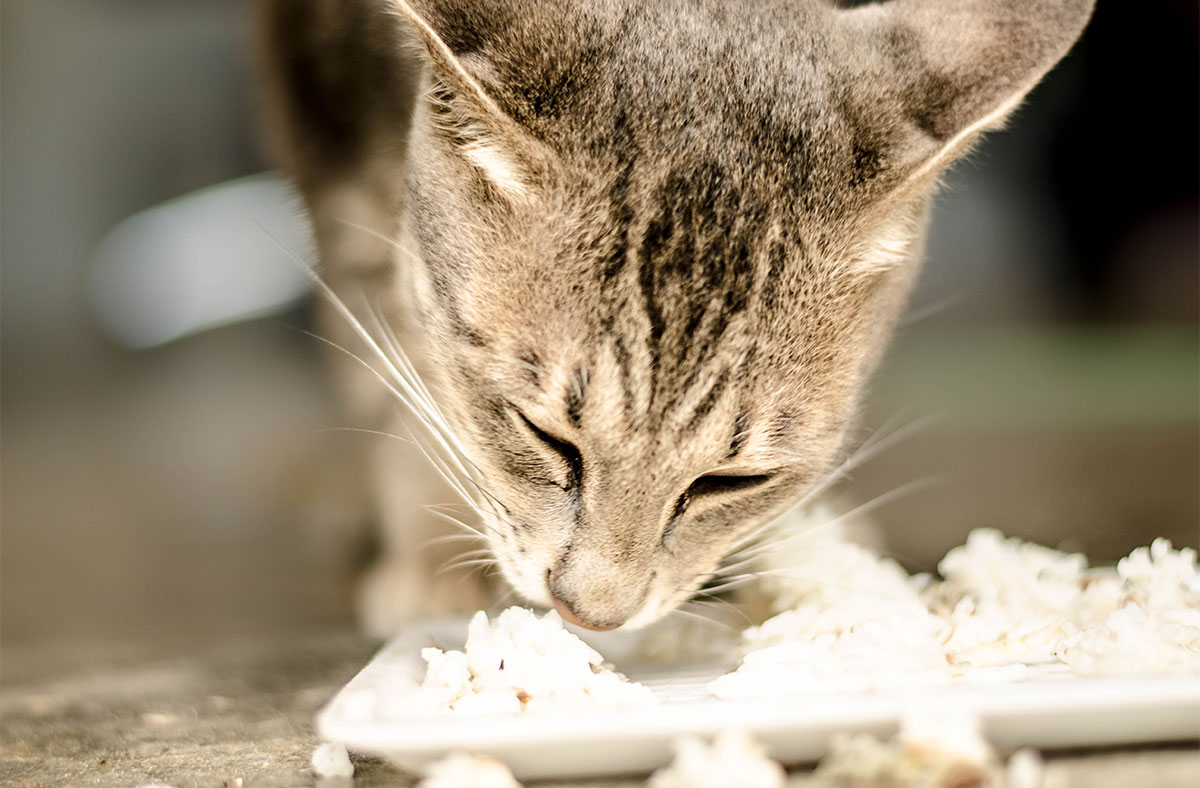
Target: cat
<point>644,254</point>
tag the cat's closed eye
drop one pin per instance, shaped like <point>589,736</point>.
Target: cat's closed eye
<point>718,488</point>
<point>718,485</point>
<point>715,488</point>
<point>567,452</point>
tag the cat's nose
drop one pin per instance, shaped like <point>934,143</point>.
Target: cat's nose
<point>569,616</point>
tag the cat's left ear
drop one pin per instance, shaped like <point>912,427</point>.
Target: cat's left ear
<point>929,75</point>
<point>464,110</point>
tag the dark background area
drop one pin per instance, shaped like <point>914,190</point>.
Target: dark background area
<point>172,496</point>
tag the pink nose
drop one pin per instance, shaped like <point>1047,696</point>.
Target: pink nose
<point>571,618</point>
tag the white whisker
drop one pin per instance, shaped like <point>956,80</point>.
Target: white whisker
<point>879,441</point>
<point>475,533</point>
<point>682,610</point>
<point>467,559</point>
<point>366,431</point>
<point>730,583</point>
<point>723,604</point>
<point>750,553</point>
<point>439,540</point>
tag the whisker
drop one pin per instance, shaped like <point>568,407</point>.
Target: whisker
<point>748,554</point>
<point>447,474</point>
<point>681,610</point>
<point>366,431</point>
<point>403,365</point>
<point>869,450</point>
<point>455,508</point>
<point>410,398</point>
<point>438,540</point>
<point>447,455</point>
<point>879,441</point>
<point>473,570</point>
<point>917,314</point>
<point>474,532</point>
<point>725,604</point>
<point>476,562</point>
<point>796,573</point>
<point>730,583</point>
<point>401,398</point>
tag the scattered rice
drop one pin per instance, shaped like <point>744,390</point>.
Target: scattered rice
<point>461,770</point>
<point>847,619</point>
<point>733,759</point>
<point>331,760</point>
<point>521,662</point>
<point>936,748</point>
<point>1026,770</point>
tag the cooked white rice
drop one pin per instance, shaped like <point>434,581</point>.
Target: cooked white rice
<point>460,770</point>
<point>847,619</point>
<point>521,662</point>
<point>330,759</point>
<point>734,758</point>
<point>934,749</point>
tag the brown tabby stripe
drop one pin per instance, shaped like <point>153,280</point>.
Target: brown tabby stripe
<point>576,391</point>
<point>705,406</point>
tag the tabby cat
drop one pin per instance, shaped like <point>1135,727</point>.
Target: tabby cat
<point>643,254</point>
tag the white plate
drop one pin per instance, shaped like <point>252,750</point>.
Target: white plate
<point>372,715</point>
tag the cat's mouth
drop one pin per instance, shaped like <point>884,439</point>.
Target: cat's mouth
<point>593,591</point>
<point>589,600</point>
<point>569,616</point>
<point>595,595</point>
<point>646,615</point>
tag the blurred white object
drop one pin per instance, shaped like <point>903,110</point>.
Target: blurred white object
<point>935,748</point>
<point>216,256</point>
<point>734,758</point>
<point>1025,770</point>
<point>331,760</point>
<point>461,770</point>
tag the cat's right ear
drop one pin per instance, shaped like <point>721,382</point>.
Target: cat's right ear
<point>929,76</point>
<point>463,109</point>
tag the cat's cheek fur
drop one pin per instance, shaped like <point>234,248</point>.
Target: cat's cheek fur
<point>524,578</point>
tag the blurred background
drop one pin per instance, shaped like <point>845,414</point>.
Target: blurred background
<point>173,495</point>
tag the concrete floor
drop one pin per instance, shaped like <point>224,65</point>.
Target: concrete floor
<point>176,597</point>
<point>240,714</point>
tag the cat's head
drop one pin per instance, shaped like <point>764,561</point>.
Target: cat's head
<point>662,245</point>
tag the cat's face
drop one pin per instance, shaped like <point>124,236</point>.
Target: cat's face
<point>640,393</point>
<point>661,249</point>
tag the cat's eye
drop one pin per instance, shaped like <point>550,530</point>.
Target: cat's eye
<point>717,484</point>
<point>712,486</point>
<point>566,450</point>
